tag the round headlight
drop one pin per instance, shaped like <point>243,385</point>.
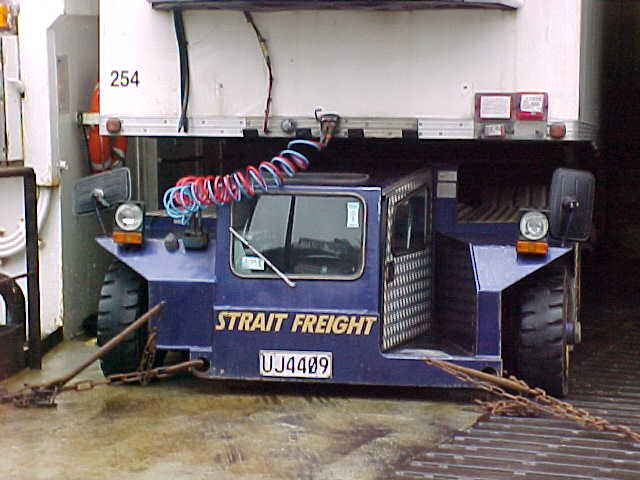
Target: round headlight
<point>129,217</point>
<point>534,225</point>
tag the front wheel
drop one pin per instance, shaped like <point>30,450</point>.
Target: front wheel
<point>542,352</point>
<point>123,299</point>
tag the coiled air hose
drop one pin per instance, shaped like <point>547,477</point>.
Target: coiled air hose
<point>192,194</point>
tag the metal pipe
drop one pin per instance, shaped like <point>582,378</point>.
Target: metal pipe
<point>45,393</point>
<point>110,345</point>
<point>5,279</point>
<point>34,359</point>
<point>13,336</point>
<point>33,269</point>
<point>14,300</point>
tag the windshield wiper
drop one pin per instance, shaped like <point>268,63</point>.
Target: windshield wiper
<point>246,243</point>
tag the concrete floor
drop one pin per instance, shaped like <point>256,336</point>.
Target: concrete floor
<point>185,428</point>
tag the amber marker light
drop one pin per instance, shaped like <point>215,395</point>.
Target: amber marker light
<point>127,238</point>
<point>532,248</point>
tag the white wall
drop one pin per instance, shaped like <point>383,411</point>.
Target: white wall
<point>51,34</point>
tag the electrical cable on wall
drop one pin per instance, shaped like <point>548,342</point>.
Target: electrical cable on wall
<point>185,73</point>
<point>267,60</point>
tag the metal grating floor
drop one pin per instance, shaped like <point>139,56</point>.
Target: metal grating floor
<point>606,383</point>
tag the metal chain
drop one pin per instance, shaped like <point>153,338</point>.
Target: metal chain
<point>539,402</point>
<point>141,376</point>
<point>44,396</point>
<point>33,396</point>
<point>148,356</point>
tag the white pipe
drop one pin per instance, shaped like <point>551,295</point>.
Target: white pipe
<point>16,241</point>
<point>18,235</point>
<point>42,211</point>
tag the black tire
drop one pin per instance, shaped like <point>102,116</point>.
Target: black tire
<point>123,299</point>
<point>542,353</point>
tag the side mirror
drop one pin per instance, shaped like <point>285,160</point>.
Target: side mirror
<point>571,202</point>
<point>102,190</point>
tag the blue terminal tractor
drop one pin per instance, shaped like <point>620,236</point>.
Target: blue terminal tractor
<point>349,278</point>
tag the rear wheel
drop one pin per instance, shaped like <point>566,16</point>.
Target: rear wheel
<point>123,299</point>
<point>542,353</point>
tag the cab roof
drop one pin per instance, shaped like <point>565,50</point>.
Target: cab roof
<point>347,179</point>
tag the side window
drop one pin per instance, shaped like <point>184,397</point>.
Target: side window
<point>409,224</point>
<point>266,227</point>
<point>262,221</point>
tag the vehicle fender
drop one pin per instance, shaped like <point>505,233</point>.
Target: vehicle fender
<point>184,279</point>
<point>497,267</point>
<point>157,264</point>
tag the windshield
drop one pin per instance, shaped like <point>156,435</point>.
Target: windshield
<point>310,236</point>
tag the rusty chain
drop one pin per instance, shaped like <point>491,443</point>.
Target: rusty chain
<point>44,395</point>
<point>536,402</point>
<point>143,375</point>
<point>148,356</point>
<point>139,376</point>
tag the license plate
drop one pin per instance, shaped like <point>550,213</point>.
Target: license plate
<point>283,363</point>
